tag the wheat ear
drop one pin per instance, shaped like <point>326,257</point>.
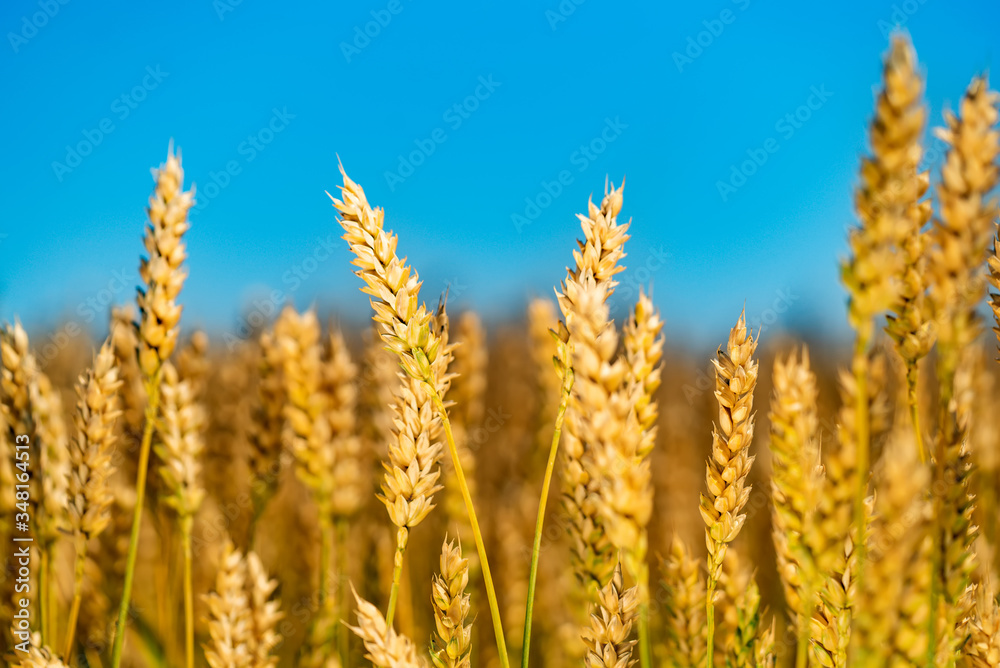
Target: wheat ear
<point>40,657</point>
<point>959,240</point>
<point>91,466</point>
<point>452,644</point>
<point>158,327</point>
<point>796,480</point>
<point>983,648</point>
<point>893,175</point>
<point>383,646</point>
<point>730,461</point>
<point>609,638</point>
<point>266,427</point>
<point>684,604</point>
<point>180,449</point>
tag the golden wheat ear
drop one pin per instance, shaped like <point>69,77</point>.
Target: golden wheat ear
<point>452,644</point>
<point>609,639</point>
<point>383,646</point>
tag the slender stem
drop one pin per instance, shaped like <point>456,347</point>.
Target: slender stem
<point>43,592</point>
<point>860,367</point>
<point>51,589</point>
<point>914,401</point>
<point>536,546</point>
<point>152,406</point>
<point>342,603</point>
<point>397,573</point>
<point>710,617</point>
<point>186,523</point>
<point>470,509</point>
<point>74,610</point>
<point>325,550</point>
<point>645,652</point>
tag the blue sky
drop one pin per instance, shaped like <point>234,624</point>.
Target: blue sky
<point>481,128</point>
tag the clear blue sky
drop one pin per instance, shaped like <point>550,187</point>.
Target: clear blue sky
<point>275,91</point>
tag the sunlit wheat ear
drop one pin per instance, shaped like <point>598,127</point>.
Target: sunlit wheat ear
<point>91,450</point>
<point>892,607</point>
<point>181,442</point>
<point>267,421</point>
<point>17,378</point>
<point>307,429</point>
<point>230,625</point>
<point>162,271</point>
<point>894,188</point>
<point>53,459</point>
<point>599,409</point>
<point>38,657</point>
<point>451,645</point>
<point>994,278</point>
<point>609,639</point>
<point>265,613</point>
<point>383,646</point>
<point>983,647</point>
<point>796,479</point>
<point>684,586</point>
<point>340,386</point>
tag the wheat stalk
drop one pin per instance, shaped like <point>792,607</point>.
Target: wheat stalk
<point>158,328</point>
<point>453,642</point>
<point>730,461</point>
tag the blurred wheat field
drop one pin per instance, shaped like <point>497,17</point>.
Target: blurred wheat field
<point>564,490</point>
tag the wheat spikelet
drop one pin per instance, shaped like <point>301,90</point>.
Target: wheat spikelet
<point>339,384</point>
<point>383,646</point>
<point>739,624</point>
<point>834,544</point>
<point>193,365</point>
<point>453,642</point>
<point>685,608</point>
<point>893,174</point>
<point>161,271</point>
<point>53,459</point>
<point>598,424</point>
<point>730,461</point>
<point>764,648</point>
<point>230,622</point>
<point>796,480</point>
<point>307,429</point>
<point>892,608</point>
<point>994,278</point>
<point>983,648</point>
<point>608,640</point>
<point>181,444</point>
<point>267,422</point>
<point>265,614</point>
<point>39,657</point>
<point>596,262</point>
<point>17,379</point>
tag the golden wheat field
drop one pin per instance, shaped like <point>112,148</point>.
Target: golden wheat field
<point>565,490</point>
